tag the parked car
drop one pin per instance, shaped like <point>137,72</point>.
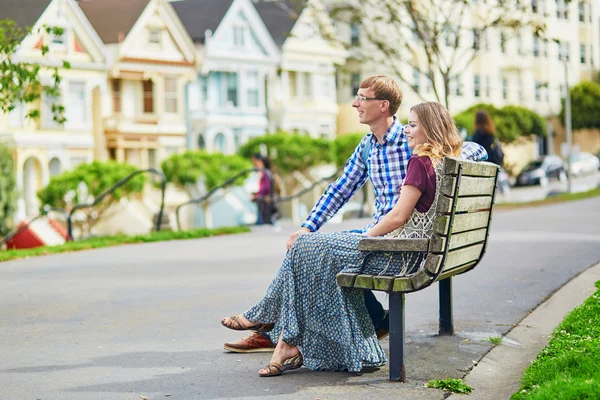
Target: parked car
<point>540,171</point>
<point>584,163</point>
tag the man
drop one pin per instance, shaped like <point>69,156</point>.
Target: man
<point>381,156</point>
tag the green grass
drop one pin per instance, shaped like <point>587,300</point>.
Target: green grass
<point>495,340</point>
<point>107,241</point>
<point>569,367</point>
<point>564,197</point>
<point>450,385</point>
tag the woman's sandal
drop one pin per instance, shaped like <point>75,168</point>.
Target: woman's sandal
<point>276,369</point>
<point>236,325</point>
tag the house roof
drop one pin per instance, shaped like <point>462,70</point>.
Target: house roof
<point>112,18</point>
<point>24,12</point>
<point>200,15</point>
<point>279,16</point>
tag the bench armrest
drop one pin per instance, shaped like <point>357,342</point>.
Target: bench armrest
<point>393,244</point>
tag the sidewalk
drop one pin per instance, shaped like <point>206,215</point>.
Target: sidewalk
<point>498,374</point>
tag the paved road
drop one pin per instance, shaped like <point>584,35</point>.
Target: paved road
<point>529,193</point>
<point>143,320</point>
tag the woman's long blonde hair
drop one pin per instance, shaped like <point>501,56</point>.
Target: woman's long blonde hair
<point>441,134</point>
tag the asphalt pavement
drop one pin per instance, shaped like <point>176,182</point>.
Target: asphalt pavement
<point>142,321</point>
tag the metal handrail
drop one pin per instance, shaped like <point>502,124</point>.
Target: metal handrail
<point>114,187</point>
<point>228,182</point>
<point>22,228</point>
<point>273,197</point>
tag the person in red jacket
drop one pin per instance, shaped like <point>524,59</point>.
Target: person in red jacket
<point>264,198</point>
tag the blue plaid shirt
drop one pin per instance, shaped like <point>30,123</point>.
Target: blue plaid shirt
<point>387,170</point>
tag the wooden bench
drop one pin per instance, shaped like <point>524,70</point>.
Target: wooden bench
<point>461,230</point>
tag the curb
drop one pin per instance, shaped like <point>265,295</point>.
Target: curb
<point>498,374</point>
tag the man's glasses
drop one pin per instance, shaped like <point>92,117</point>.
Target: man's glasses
<point>361,98</point>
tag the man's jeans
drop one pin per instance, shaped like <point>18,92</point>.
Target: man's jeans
<point>374,307</point>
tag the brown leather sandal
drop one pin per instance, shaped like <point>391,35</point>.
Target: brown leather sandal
<point>234,323</point>
<point>276,369</point>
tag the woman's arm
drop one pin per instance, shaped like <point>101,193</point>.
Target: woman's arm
<point>409,196</point>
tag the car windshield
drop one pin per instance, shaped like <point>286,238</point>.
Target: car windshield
<point>533,165</point>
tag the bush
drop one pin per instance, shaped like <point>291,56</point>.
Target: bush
<point>342,147</point>
<point>512,122</point>
<point>8,189</point>
<point>289,152</point>
<point>185,169</point>
<point>585,106</point>
<point>86,182</point>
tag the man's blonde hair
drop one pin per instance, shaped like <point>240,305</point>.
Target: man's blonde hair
<point>385,88</point>
<point>441,134</point>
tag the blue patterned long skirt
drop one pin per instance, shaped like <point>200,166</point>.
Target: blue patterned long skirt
<point>329,324</point>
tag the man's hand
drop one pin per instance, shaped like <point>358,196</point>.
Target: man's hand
<point>294,235</point>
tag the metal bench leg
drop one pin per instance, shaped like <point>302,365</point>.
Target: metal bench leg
<point>397,371</point>
<point>446,324</point>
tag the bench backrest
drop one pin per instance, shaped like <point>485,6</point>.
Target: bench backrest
<point>461,228</point>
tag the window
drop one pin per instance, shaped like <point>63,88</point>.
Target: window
<point>536,46</point>
<point>581,11</point>
<point>582,53</point>
<point>76,112</point>
<point>537,91</point>
<point>458,86</point>
<point>49,103</point>
<point>355,33</point>
<point>116,94</point>
<point>416,80</point>
<point>504,88</point>
<point>307,84</point>
<point>325,85</point>
<point>293,79</point>
<point>232,88</point>
<point>55,166</point>
<point>546,48</point>
<point>591,56</point>
<point>502,42</point>
<point>171,94</point>
<point>355,83</point>
<point>567,51</point>
<point>476,39</point>
<point>476,86</point>
<point>201,142</point>
<point>487,86</point>
<point>204,88</point>
<point>534,6</point>
<point>154,36</point>
<point>252,80</point>
<point>148,87</point>
<point>17,116</point>
<point>220,143</point>
<point>448,35</point>
<point>237,138</point>
<point>238,35</point>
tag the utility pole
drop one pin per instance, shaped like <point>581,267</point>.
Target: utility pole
<point>564,56</point>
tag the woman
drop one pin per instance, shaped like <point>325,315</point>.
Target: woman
<point>263,198</point>
<point>321,325</point>
<point>485,137</point>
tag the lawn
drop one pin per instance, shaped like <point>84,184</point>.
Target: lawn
<point>107,241</point>
<point>569,367</point>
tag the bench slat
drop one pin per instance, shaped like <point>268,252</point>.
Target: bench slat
<point>469,186</point>
<point>393,244</point>
<point>462,256</point>
<point>383,283</point>
<point>419,279</point>
<point>345,279</point>
<point>364,282</point>
<point>469,168</point>
<point>403,284</point>
<point>462,222</point>
<point>456,271</point>
<point>438,243</point>
<point>463,204</point>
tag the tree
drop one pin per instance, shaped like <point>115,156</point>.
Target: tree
<point>85,183</point>
<point>585,98</point>
<point>214,168</point>
<point>289,153</point>
<point>433,39</point>
<point>512,122</point>
<point>8,189</point>
<point>20,82</point>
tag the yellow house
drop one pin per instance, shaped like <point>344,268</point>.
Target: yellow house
<point>43,148</point>
<point>150,59</point>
